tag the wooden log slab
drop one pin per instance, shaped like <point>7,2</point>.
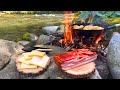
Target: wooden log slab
<point>35,72</point>
<point>83,71</point>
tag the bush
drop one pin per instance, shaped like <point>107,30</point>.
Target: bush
<point>26,36</point>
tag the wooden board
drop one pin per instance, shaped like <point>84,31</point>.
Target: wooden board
<point>30,71</point>
<point>82,71</point>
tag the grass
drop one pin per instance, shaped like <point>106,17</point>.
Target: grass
<point>14,26</point>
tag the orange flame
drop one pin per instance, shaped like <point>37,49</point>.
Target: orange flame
<point>100,37</point>
<point>90,19</point>
<point>68,29</point>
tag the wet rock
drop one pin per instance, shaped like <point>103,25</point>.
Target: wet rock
<point>114,55</point>
<point>50,29</point>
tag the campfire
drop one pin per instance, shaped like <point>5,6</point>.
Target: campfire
<point>75,37</point>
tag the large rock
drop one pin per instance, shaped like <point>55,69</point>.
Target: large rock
<point>9,72</point>
<point>114,55</point>
<point>50,29</point>
<point>7,49</point>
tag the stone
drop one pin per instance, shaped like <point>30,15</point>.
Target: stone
<point>9,72</point>
<point>44,39</point>
<point>95,75</point>
<point>61,29</point>
<point>23,43</point>
<point>7,49</point>
<point>50,29</point>
<point>114,55</point>
<point>33,37</point>
<point>55,72</point>
<point>102,68</point>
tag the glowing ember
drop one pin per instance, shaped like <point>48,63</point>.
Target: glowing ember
<point>68,29</point>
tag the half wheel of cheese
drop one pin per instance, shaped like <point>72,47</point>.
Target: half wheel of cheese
<point>82,71</point>
<point>30,70</point>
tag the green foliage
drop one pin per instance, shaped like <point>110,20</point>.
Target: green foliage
<point>84,15</point>
<point>108,14</point>
<point>26,36</point>
<point>99,15</point>
<point>77,13</point>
